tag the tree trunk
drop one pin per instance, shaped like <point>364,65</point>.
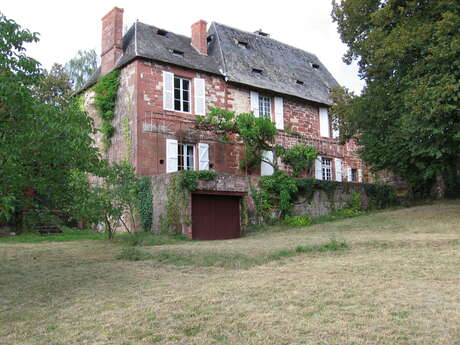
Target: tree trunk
<point>438,190</point>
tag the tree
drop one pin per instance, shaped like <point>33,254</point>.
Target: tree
<point>82,67</point>
<point>55,87</point>
<point>407,118</point>
<point>40,143</point>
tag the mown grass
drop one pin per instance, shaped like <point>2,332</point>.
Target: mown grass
<point>228,260</point>
<point>67,235</point>
<point>397,283</point>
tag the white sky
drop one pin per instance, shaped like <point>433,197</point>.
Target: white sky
<point>66,26</point>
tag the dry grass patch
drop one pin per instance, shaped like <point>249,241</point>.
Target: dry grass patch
<point>397,284</point>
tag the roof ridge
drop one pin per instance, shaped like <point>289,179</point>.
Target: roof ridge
<point>266,37</point>
<point>156,27</point>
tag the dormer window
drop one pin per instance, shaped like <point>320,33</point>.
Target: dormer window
<point>162,32</point>
<point>177,52</point>
<point>299,82</point>
<point>210,38</point>
<point>314,65</point>
<point>257,71</point>
<point>242,44</point>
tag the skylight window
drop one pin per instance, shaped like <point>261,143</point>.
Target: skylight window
<point>257,71</point>
<point>314,65</point>
<point>210,38</point>
<point>177,52</point>
<point>162,32</point>
<point>299,82</point>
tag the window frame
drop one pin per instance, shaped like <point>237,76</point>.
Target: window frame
<point>326,169</point>
<point>263,107</point>
<point>181,94</point>
<point>182,156</point>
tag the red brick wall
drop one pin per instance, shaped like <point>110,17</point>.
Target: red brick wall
<point>153,125</point>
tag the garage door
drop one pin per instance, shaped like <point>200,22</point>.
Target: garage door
<point>215,217</point>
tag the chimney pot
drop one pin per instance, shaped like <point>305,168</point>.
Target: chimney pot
<point>199,36</point>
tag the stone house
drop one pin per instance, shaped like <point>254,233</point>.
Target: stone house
<point>167,79</point>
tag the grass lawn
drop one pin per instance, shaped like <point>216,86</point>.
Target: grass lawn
<point>396,280</point>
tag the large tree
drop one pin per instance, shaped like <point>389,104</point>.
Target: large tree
<point>41,142</point>
<point>81,67</point>
<point>407,118</point>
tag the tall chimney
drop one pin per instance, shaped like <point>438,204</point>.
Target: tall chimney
<point>112,39</point>
<point>199,36</point>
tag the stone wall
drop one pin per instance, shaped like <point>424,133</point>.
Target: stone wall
<point>321,203</point>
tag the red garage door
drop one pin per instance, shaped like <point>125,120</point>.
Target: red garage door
<point>215,217</point>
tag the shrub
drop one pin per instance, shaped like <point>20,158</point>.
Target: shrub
<point>132,254</point>
<point>144,204</point>
<point>380,195</point>
<point>298,221</point>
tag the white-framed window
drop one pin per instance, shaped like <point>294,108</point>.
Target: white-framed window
<point>185,157</point>
<point>181,94</point>
<point>265,107</point>
<point>326,167</point>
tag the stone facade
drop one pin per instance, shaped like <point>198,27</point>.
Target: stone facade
<point>140,99</point>
<point>142,126</point>
<point>319,204</point>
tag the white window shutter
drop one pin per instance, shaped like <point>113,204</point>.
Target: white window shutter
<point>350,175</point>
<point>200,101</point>
<point>265,168</point>
<point>324,122</point>
<point>171,155</point>
<point>255,103</point>
<point>203,151</point>
<point>360,175</point>
<point>279,113</point>
<point>318,168</point>
<point>168,90</point>
<point>338,170</point>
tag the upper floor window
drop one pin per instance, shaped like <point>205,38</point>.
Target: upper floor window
<point>326,165</point>
<point>181,94</point>
<point>265,107</point>
<point>185,157</point>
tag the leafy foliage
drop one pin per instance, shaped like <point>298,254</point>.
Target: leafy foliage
<point>257,133</point>
<point>145,202</point>
<point>298,221</point>
<point>180,186</point>
<point>81,67</point>
<point>105,100</point>
<point>408,52</point>
<point>380,195</point>
<point>299,157</point>
<point>54,87</point>
<point>40,143</point>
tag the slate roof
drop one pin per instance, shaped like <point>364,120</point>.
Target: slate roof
<point>282,66</point>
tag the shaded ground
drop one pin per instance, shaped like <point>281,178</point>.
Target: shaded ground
<point>398,283</point>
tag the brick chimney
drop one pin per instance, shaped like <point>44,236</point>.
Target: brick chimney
<point>199,37</point>
<point>112,39</point>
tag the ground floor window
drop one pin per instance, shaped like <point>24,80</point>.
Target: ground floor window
<point>326,165</point>
<point>185,157</point>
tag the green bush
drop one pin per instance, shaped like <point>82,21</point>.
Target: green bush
<point>145,200</point>
<point>380,195</point>
<point>297,221</point>
<point>355,202</point>
<point>132,254</point>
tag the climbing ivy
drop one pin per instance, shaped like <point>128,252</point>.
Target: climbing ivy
<point>178,192</point>
<point>145,200</point>
<point>106,94</point>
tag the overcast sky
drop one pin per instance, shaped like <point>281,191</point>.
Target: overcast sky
<point>67,26</point>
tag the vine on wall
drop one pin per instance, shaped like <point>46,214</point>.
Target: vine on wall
<point>179,189</point>
<point>106,95</point>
